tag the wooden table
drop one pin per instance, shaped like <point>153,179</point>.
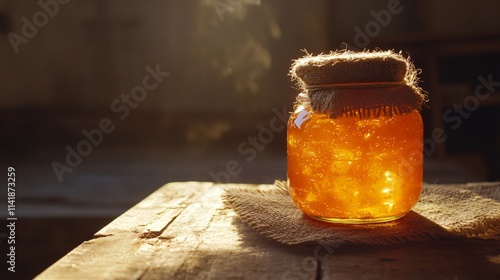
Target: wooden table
<point>184,231</point>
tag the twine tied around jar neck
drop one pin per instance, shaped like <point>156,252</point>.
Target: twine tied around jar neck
<point>363,84</point>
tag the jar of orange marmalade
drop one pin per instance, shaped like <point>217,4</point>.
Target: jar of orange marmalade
<point>355,139</point>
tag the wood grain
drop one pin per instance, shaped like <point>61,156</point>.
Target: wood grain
<point>184,231</point>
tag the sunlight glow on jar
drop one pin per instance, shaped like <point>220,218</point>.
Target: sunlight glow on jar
<point>352,170</point>
<point>355,139</point>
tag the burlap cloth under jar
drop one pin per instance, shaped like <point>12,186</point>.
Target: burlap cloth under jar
<point>368,84</point>
<point>467,210</point>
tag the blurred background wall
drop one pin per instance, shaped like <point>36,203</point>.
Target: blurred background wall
<point>67,65</point>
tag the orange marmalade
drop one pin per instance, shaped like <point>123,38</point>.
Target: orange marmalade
<point>352,169</point>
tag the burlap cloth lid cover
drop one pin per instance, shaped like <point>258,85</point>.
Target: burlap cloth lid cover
<point>364,84</point>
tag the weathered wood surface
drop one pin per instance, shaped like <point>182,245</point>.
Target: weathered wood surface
<point>184,231</point>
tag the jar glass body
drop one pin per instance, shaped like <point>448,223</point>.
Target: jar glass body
<point>355,170</point>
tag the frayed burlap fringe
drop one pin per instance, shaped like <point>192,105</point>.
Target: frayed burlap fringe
<point>364,103</point>
<point>365,84</point>
<point>443,211</point>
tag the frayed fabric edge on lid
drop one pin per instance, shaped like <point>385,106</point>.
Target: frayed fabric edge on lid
<point>363,84</point>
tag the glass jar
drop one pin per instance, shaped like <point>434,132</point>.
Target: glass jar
<point>354,168</point>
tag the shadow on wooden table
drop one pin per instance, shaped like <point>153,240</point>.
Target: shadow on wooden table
<point>446,258</point>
